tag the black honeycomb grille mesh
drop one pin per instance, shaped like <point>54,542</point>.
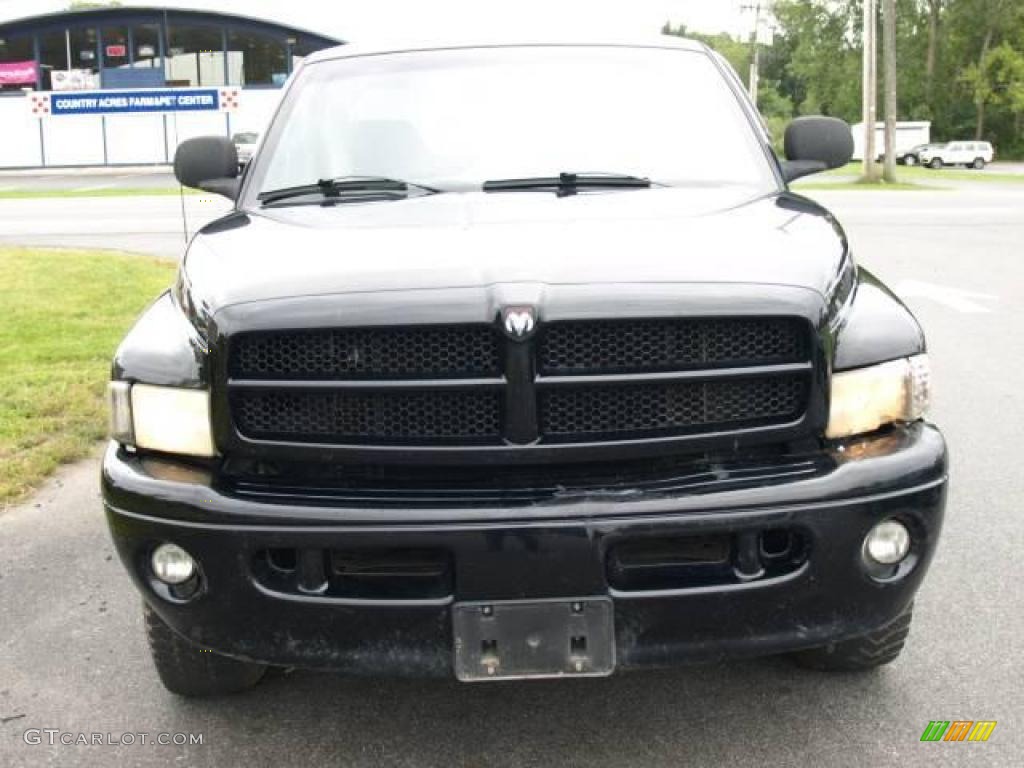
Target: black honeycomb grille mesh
<point>426,416</point>
<point>619,412</point>
<point>383,353</point>
<point>610,346</point>
<point>396,411</point>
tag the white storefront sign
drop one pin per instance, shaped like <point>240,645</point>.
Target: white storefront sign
<point>74,80</point>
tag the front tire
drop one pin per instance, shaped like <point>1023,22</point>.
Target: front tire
<point>936,163</point>
<point>862,653</point>
<point>978,164</point>
<point>188,670</point>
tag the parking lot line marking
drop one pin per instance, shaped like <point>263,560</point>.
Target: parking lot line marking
<point>966,302</point>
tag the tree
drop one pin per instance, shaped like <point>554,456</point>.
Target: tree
<point>958,65</point>
<point>997,80</point>
<point>824,39</point>
<point>976,27</point>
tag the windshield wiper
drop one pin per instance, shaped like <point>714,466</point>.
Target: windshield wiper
<point>372,186</point>
<point>570,183</point>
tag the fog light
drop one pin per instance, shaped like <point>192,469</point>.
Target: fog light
<point>887,543</point>
<point>172,564</point>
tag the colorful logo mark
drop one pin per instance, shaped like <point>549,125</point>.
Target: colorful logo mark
<point>958,730</point>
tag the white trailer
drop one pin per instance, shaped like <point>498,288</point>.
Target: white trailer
<point>908,135</point>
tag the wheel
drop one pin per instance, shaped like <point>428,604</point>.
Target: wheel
<point>935,163</point>
<point>978,164</point>
<point>860,653</point>
<point>187,670</point>
<point>910,160</point>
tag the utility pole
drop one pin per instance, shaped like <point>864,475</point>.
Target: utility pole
<point>870,89</point>
<point>755,51</point>
<point>889,59</point>
<point>755,58</point>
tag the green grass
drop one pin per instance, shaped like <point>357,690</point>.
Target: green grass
<point>863,186</point>
<point>936,177</point>
<point>64,312</point>
<point>18,194</point>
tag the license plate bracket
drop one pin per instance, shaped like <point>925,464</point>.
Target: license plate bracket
<point>516,640</point>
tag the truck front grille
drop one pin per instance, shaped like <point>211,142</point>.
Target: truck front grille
<point>444,351</point>
<point>468,385</point>
<point>652,409</point>
<point>610,346</point>
<point>370,417</point>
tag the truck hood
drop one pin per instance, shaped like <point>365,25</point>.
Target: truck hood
<point>478,241</point>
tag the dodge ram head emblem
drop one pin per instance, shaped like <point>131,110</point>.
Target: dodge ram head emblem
<point>519,322</point>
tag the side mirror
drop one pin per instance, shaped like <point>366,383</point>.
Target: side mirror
<point>815,144</point>
<point>209,163</point>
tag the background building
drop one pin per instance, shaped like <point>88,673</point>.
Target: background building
<point>133,50</point>
<point>909,134</point>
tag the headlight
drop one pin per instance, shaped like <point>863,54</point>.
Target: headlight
<point>866,399</point>
<point>168,419</point>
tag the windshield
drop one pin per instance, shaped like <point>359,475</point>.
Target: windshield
<point>455,119</point>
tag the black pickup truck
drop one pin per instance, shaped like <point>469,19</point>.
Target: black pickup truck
<point>514,361</point>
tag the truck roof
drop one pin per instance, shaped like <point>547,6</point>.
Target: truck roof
<point>403,45</point>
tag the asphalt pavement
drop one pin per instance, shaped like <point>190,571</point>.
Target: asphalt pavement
<point>152,224</point>
<point>88,179</point>
<point>73,655</point>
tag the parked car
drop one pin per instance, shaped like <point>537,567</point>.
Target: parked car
<point>973,154</point>
<point>912,156</point>
<point>245,145</point>
<point>506,366</point>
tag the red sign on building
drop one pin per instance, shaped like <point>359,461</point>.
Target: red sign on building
<point>18,72</point>
<point>117,51</point>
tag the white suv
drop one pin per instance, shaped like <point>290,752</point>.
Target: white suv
<point>973,154</point>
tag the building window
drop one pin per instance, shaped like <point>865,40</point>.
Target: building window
<point>146,39</point>
<point>256,59</point>
<point>16,48</point>
<point>115,47</point>
<point>84,48</point>
<point>53,55</point>
<point>195,55</point>
<point>18,54</point>
<point>303,46</point>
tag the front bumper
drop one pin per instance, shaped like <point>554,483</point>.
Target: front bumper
<point>534,553</point>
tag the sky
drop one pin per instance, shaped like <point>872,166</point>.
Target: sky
<point>374,20</point>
